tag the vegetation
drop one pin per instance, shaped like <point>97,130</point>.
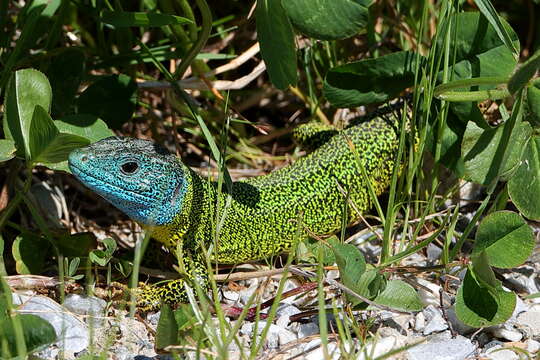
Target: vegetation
<point>189,75</point>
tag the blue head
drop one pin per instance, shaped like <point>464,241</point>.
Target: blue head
<point>139,177</point>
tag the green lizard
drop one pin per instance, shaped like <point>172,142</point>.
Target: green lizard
<point>178,206</point>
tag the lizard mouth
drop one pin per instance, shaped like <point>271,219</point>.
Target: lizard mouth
<point>98,184</point>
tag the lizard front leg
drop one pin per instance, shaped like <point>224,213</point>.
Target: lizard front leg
<point>150,297</point>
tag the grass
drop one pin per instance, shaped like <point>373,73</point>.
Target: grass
<point>412,215</point>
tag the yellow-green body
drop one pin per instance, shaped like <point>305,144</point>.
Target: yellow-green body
<point>263,216</point>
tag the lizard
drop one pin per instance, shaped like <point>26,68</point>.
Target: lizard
<point>259,217</point>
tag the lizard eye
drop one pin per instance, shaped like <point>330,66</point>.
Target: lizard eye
<point>130,167</point>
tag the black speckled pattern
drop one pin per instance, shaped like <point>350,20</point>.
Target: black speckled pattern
<point>261,219</point>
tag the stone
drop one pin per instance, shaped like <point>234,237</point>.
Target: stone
<point>507,332</point>
<point>91,306</point>
<point>132,339</point>
<point>286,336</point>
<point>245,294</point>
<point>533,346</point>
<point>380,347</point>
<point>231,297</point>
<point>530,320</point>
<point>72,333</point>
<point>283,314</point>
<point>431,296</point>
<point>308,329</point>
<point>499,353</point>
<point>433,252</point>
<point>459,348</point>
<point>419,322</point>
<point>434,320</point>
<point>153,319</point>
<point>318,354</point>
<point>458,325</point>
<point>273,335</point>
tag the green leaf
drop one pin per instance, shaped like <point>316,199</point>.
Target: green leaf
<point>110,246</point>
<point>84,125</point>
<point>276,38</point>
<point>167,328</point>
<point>76,245</point>
<point>533,102</point>
<point>483,271</point>
<point>102,257</point>
<point>99,257</point>
<point>524,73</point>
<point>524,186</point>
<point>351,265</point>
<point>452,136</point>
<point>350,262</point>
<point>127,19</point>
<point>475,38</point>
<point>487,9</point>
<point>29,253</point>
<point>26,89</point>
<point>32,14</point>
<point>369,81</point>
<point>370,284</point>
<point>478,306</point>
<point>327,19</point>
<point>482,151</point>
<point>47,144</point>
<point>37,333</point>
<point>479,52</point>
<point>506,238</point>
<point>7,150</point>
<point>111,98</point>
<point>42,132</point>
<point>400,296</point>
<point>65,73</point>
<point>87,126</point>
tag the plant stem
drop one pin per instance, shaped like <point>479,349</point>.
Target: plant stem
<point>206,27</point>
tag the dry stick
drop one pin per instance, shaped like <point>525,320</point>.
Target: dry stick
<point>197,84</point>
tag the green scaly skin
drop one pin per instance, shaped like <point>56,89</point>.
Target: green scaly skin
<point>262,213</point>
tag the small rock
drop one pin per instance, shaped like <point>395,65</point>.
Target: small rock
<point>533,346</point>
<point>286,336</point>
<point>493,343</point>
<point>499,353</point>
<point>433,252</point>
<point>431,297</point>
<point>333,351</point>
<point>283,314</point>
<point>434,320</point>
<point>459,348</point>
<point>521,307</point>
<point>307,329</point>
<point>87,305</point>
<point>245,294</point>
<point>50,352</point>
<point>419,322</point>
<point>132,339</point>
<point>531,320</point>
<point>71,332</point>
<point>397,321</point>
<point>231,297</point>
<point>507,332</point>
<point>380,347</point>
<point>457,324</point>
<point>153,318</point>
<point>273,334</point>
